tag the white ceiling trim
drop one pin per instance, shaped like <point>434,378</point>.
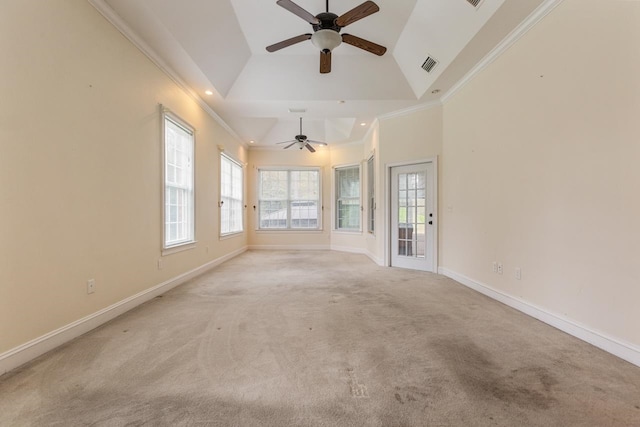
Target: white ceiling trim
<point>532,20</point>
<point>373,126</point>
<point>410,110</point>
<point>110,15</point>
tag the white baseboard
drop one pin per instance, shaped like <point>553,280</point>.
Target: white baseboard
<point>289,247</point>
<point>26,352</point>
<point>347,249</point>
<point>375,259</point>
<point>626,351</point>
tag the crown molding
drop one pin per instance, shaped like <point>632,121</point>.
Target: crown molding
<point>536,16</point>
<point>110,15</point>
<point>374,125</point>
<point>410,110</point>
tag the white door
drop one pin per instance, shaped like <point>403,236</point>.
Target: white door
<point>412,216</point>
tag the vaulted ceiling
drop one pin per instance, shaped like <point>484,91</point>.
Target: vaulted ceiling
<point>219,45</point>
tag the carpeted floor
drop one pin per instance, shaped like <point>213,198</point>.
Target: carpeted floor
<point>322,339</point>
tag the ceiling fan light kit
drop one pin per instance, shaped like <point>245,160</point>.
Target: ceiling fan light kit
<point>326,40</point>
<point>326,27</point>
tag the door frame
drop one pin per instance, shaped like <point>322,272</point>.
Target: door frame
<point>387,210</point>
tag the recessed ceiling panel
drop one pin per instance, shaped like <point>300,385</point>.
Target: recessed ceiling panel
<point>265,23</point>
<point>290,77</point>
<point>210,33</point>
<point>220,45</point>
<point>439,29</point>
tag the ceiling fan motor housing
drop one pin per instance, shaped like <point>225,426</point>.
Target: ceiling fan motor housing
<point>327,22</point>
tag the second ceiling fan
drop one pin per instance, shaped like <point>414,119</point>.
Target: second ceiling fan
<point>302,141</point>
<point>326,27</point>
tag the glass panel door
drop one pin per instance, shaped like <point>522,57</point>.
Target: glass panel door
<point>412,216</point>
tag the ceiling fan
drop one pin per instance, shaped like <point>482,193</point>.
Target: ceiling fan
<point>302,141</point>
<point>326,27</point>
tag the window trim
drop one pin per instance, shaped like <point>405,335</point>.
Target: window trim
<point>334,199</point>
<point>222,235</point>
<point>371,195</point>
<point>289,229</point>
<point>167,114</point>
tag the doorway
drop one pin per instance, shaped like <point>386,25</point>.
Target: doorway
<point>413,216</point>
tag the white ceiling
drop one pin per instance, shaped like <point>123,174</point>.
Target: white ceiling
<point>219,45</point>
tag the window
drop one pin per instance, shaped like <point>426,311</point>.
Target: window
<point>289,199</point>
<point>371,195</point>
<point>231,201</point>
<point>348,198</point>
<point>179,223</point>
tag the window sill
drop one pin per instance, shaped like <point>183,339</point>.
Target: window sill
<point>231,235</point>
<point>289,231</point>
<point>352,232</point>
<point>179,248</point>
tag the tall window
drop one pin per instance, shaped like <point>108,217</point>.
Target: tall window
<point>179,223</point>
<point>231,190</point>
<point>289,199</point>
<point>348,198</point>
<point>371,195</point>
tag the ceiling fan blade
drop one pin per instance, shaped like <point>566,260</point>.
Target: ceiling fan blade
<point>297,10</point>
<point>364,44</point>
<point>288,42</point>
<point>286,142</point>
<point>324,144</point>
<point>357,13</point>
<point>325,62</point>
<point>310,148</point>
<point>290,145</point>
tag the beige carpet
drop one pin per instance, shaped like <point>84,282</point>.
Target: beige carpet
<point>322,339</point>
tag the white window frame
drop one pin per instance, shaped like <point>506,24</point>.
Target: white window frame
<point>336,199</point>
<point>288,228</point>
<point>371,195</point>
<point>189,240</point>
<point>226,201</point>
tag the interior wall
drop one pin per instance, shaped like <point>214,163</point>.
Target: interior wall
<point>407,138</point>
<point>81,173</point>
<point>289,239</point>
<point>540,169</point>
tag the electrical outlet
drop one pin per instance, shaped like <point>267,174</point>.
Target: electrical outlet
<point>159,264</point>
<point>500,269</point>
<point>91,286</point>
<point>495,267</point>
<point>518,273</point>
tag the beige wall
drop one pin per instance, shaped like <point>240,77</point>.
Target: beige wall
<point>540,168</point>
<point>404,139</point>
<point>80,169</point>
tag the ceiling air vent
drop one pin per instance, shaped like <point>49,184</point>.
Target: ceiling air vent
<point>474,3</point>
<point>429,64</point>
